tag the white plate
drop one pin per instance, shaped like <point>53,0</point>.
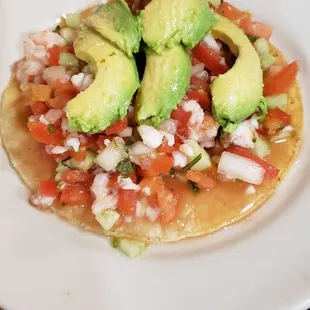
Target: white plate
<point>261,263</point>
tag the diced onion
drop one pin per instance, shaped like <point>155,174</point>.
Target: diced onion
<point>196,69</point>
<point>238,167</point>
<point>127,132</point>
<point>139,148</point>
<point>53,115</point>
<point>112,155</point>
<point>140,209</point>
<point>169,125</point>
<point>210,41</point>
<point>152,214</point>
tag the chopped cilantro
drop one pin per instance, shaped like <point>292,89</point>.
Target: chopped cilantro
<point>252,38</point>
<point>115,242</point>
<point>172,171</point>
<point>193,186</point>
<point>51,128</point>
<point>130,142</point>
<point>125,167</point>
<point>192,163</point>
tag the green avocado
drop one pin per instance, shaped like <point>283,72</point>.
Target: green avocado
<point>236,94</point>
<point>164,85</point>
<point>166,23</point>
<point>108,97</point>
<point>115,22</point>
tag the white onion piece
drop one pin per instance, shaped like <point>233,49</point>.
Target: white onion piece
<point>238,167</point>
<point>196,69</point>
<point>139,148</point>
<point>53,115</point>
<point>150,136</point>
<point>140,209</point>
<point>127,132</point>
<point>169,125</point>
<point>152,214</point>
<point>211,42</point>
<point>203,75</point>
<point>112,155</point>
<point>59,150</point>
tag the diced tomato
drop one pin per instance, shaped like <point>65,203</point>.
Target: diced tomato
<point>199,83</point>
<point>211,58</point>
<point>202,97</point>
<point>281,115</point>
<point>80,155</point>
<point>165,148</point>
<point>256,29</point>
<point>203,181</point>
<point>147,173</point>
<point>167,202</point>
<point>75,176</point>
<point>61,100</point>
<point>155,184</point>
<point>272,125</point>
<point>48,188</point>
<point>54,52</point>
<point>162,164</point>
<point>76,195</point>
<point>127,201</point>
<point>153,201</point>
<point>117,127</point>
<point>40,92</point>
<point>113,183</point>
<point>282,81</point>
<point>39,108</point>
<point>271,172</point>
<point>61,89</point>
<point>180,115</point>
<point>262,133</point>
<point>231,12</point>
<point>195,61</point>
<point>42,134</point>
<point>183,118</point>
<point>90,142</point>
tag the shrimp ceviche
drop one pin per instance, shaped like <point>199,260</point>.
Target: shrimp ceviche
<point>152,121</point>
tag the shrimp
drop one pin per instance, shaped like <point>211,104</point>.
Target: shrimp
<point>206,132</point>
<point>47,39</point>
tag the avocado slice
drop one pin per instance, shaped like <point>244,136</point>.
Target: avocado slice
<point>115,22</point>
<point>237,93</point>
<point>166,23</point>
<point>164,85</point>
<point>116,81</point>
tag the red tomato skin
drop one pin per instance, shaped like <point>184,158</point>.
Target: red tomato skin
<point>281,115</point>
<point>41,133</point>
<point>75,176</point>
<point>117,127</point>
<point>127,201</point>
<point>48,188</point>
<point>210,58</point>
<point>282,81</point>
<point>39,108</point>
<point>202,97</point>
<point>167,202</point>
<point>76,195</point>
<point>162,164</point>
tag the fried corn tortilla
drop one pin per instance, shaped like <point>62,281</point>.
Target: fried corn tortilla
<point>198,214</point>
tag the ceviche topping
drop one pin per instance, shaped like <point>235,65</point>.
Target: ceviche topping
<point>124,103</point>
